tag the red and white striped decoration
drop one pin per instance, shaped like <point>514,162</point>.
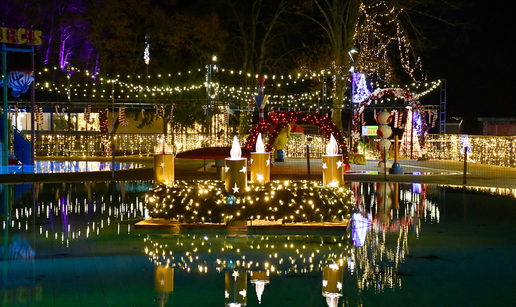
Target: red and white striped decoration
<point>88,118</point>
<point>121,117</point>
<point>56,107</point>
<point>40,117</point>
<point>400,122</point>
<point>143,113</point>
<point>171,112</point>
<point>395,112</point>
<point>226,116</point>
<point>434,119</point>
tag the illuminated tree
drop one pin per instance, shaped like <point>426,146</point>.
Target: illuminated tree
<point>385,35</point>
<point>410,139</point>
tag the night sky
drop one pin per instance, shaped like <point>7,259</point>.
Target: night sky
<point>478,64</point>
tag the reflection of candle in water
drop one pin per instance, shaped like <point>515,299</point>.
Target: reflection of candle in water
<point>332,284</point>
<point>260,279</point>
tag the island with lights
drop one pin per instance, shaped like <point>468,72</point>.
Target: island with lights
<point>235,203</point>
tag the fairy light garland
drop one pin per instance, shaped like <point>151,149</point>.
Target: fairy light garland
<point>94,86</point>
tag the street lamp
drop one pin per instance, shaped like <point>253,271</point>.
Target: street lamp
<point>352,71</point>
<point>210,68</point>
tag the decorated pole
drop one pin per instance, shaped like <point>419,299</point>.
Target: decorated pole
<point>260,163</point>
<point>333,175</point>
<point>236,170</point>
<point>384,133</point>
<point>261,99</point>
<point>396,168</point>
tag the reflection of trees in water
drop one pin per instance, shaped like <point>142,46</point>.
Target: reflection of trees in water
<point>281,254</point>
<point>392,210</point>
<point>75,211</point>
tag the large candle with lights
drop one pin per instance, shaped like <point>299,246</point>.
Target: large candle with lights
<point>163,169</point>
<point>236,170</point>
<point>260,279</point>
<point>235,290</point>
<point>333,175</point>
<point>260,163</point>
<point>332,284</point>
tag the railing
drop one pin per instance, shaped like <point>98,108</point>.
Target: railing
<point>491,150</point>
<point>94,144</point>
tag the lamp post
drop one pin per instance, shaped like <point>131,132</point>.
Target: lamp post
<point>208,89</point>
<point>352,71</point>
<point>68,94</point>
<point>113,129</point>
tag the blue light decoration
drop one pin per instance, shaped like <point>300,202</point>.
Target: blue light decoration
<point>146,55</point>
<point>416,188</point>
<point>418,124</point>
<point>361,92</point>
<point>465,144</point>
<point>19,81</point>
<point>359,227</point>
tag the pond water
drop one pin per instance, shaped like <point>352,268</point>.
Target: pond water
<point>66,167</point>
<point>409,245</point>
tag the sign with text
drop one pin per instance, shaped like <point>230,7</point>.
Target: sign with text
<point>369,130</point>
<point>20,36</point>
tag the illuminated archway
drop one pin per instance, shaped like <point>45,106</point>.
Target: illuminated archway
<point>282,119</point>
<point>400,93</point>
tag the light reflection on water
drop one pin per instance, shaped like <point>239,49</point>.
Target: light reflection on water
<point>43,167</point>
<point>77,243</point>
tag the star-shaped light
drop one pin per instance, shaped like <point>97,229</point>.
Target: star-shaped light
<point>243,293</point>
<point>162,164</point>
<point>235,190</point>
<point>339,164</point>
<point>268,162</point>
<point>259,177</point>
<point>226,294</point>
<point>243,170</point>
<point>324,283</point>
<point>251,161</point>
<point>235,273</point>
<point>333,184</point>
<point>339,285</point>
<point>227,169</point>
<point>324,166</point>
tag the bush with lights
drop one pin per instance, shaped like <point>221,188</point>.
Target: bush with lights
<point>285,201</point>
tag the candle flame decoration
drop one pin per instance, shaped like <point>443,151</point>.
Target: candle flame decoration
<point>236,151</point>
<point>332,148</point>
<point>259,144</point>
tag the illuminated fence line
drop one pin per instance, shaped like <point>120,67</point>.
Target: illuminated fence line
<point>91,145</point>
<point>491,150</point>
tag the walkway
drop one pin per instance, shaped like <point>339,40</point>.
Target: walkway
<point>140,168</point>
